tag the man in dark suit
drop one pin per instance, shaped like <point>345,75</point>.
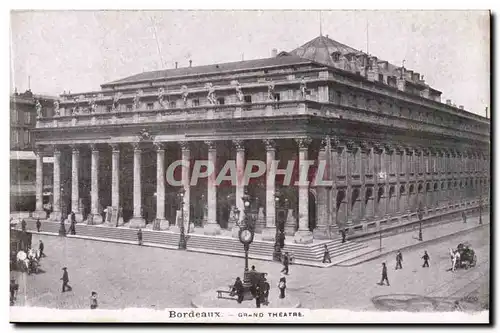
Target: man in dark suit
<point>23,225</point>
<point>38,225</point>
<point>41,248</point>
<point>238,289</point>
<point>426,259</point>
<point>399,260</point>
<point>139,236</point>
<point>326,255</point>
<point>343,233</point>
<point>286,262</point>
<point>384,275</point>
<point>65,280</point>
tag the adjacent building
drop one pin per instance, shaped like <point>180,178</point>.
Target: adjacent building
<point>390,145</point>
<point>23,116</point>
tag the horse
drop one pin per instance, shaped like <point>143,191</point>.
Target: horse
<point>455,259</point>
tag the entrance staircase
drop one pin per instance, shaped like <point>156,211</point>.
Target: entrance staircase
<point>304,254</point>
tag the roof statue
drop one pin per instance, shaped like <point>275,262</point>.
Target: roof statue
<point>38,108</point>
<point>161,96</point>
<point>93,104</point>
<point>137,99</point>
<point>144,135</point>
<point>116,101</point>
<point>56,108</point>
<point>211,93</point>
<point>270,91</point>
<point>239,93</point>
<point>185,93</point>
<point>303,89</point>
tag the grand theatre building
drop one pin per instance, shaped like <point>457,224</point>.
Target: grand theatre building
<point>390,145</point>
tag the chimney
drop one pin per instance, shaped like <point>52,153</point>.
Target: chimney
<point>190,63</point>
<point>274,53</point>
<point>448,101</point>
<point>461,107</point>
<point>176,65</point>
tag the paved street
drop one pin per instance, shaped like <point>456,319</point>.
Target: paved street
<point>133,276</point>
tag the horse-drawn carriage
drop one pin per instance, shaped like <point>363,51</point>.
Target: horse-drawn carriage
<point>22,256</point>
<point>468,257</point>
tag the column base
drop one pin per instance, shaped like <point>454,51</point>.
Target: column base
<point>321,232</point>
<point>211,229</point>
<point>39,214</point>
<point>235,232</point>
<point>93,219</point>
<point>137,222</point>
<point>161,224</point>
<point>269,234</point>
<point>55,216</point>
<point>78,217</point>
<point>303,237</point>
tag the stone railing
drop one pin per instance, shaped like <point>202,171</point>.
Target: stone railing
<point>227,111</point>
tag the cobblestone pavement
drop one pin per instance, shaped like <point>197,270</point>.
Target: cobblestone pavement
<point>133,276</point>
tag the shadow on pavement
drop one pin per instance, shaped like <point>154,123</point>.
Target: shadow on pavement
<point>419,303</point>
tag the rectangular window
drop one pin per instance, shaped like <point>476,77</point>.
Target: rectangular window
<point>381,77</point>
<point>339,97</point>
<point>129,108</point>
<point>27,117</point>
<point>196,102</point>
<point>26,138</point>
<point>109,108</point>
<point>150,106</point>
<point>248,99</point>
<point>220,101</point>
<point>171,104</point>
<point>277,97</point>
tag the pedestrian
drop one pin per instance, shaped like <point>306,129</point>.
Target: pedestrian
<point>62,228</point>
<point>282,239</point>
<point>257,296</point>
<point>73,218</point>
<point>139,236</point>
<point>14,287</point>
<point>38,225</point>
<point>384,275</point>
<point>464,217</point>
<point>282,286</point>
<point>23,225</point>
<point>93,301</point>
<point>326,255</point>
<point>343,233</point>
<point>426,259</point>
<point>238,289</point>
<point>399,260</point>
<point>72,227</point>
<point>286,262</point>
<point>41,247</point>
<point>65,280</point>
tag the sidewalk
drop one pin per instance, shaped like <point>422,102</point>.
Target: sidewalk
<point>410,239</point>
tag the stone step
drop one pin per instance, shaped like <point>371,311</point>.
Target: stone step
<point>216,245</point>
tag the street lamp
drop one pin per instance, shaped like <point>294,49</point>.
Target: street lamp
<point>246,235</point>
<point>420,215</point>
<point>182,239</point>
<point>481,208</point>
<point>277,247</point>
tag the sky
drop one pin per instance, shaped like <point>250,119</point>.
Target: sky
<point>78,51</point>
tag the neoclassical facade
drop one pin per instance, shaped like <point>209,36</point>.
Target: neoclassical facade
<point>388,143</point>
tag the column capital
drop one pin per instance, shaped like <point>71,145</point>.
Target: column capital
<point>303,143</point>
<point>94,147</point>
<point>159,146</point>
<point>325,143</point>
<point>75,148</point>
<point>270,144</point>
<point>351,145</point>
<point>239,144</point>
<point>399,149</point>
<point>389,148</point>
<point>377,147</point>
<point>184,145</point>
<point>335,144</point>
<point>56,149</point>
<point>115,147</point>
<point>136,145</point>
<point>212,145</point>
<point>364,146</point>
<point>408,150</point>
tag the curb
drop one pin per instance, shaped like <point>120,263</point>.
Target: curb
<point>416,245</point>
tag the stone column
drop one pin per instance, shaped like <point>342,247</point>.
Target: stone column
<point>406,166</point>
<point>240,170</point>
<point>56,187</point>
<point>335,152</point>
<point>161,222</point>
<point>364,158</point>
<point>39,213</point>
<point>75,191</point>
<point>321,231</point>
<point>186,156</point>
<point>349,155</point>
<point>269,232</point>
<point>377,169</point>
<point>94,186</point>
<point>137,220</point>
<point>389,150</point>
<point>303,235</point>
<point>212,228</point>
<point>115,176</point>
<point>399,151</point>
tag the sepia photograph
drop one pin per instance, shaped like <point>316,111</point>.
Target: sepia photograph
<point>250,166</point>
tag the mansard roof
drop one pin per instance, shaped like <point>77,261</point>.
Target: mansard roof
<point>212,69</point>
